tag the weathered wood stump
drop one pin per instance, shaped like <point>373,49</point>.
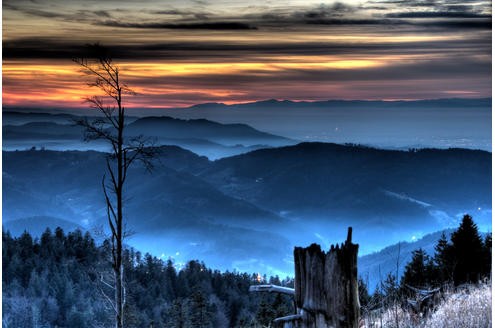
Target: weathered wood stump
<point>326,289</point>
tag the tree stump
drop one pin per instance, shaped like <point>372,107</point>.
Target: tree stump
<point>326,288</point>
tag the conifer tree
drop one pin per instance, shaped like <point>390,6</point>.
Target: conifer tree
<point>364,296</point>
<point>177,314</point>
<point>265,314</point>
<point>487,255</point>
<point>418,272</point>
<point>199,314</point>
<point>390,289</point>
<point>443,260</point>
<point>468,252</point>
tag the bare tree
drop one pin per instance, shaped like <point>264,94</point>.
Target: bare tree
<point>110,127</point>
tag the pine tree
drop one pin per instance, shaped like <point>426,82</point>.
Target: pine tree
<point>170,281</point>
<point>199,314</point>
<point>280,306</point>
<point>418,272</point>
<point>177,314</point>
<point>487,255</point>
<point>364,296</point>
<point>265,314</point>
<point>444,260</point>
<point>376,300</point>
<point>390,289</point>
<point>468,252</point>
<point>26,260</point>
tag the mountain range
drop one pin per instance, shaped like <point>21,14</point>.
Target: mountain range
<point>248,211</point>
<point>59,132</point>
<point>383,124</point>
<point>234,196</point>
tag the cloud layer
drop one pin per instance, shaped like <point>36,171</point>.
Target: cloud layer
<point>198,51</point>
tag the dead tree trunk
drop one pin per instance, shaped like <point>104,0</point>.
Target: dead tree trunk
<point>326,288</point>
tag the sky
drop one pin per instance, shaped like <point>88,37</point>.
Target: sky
<point>180,53</point>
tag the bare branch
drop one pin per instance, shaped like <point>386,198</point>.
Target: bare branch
<point>106,283</point>
<point>112,218</point>
<point>102,292</point>
<point>95,130</point>
<point>95,70</point>
<point>114,181</point>
<point>98,103</point>
<point>140,149</point>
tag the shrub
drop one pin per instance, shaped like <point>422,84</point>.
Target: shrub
<point>470,307</point>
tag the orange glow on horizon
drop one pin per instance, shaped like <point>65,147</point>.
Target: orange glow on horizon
<point>65,83</point>
<point>56,83</point>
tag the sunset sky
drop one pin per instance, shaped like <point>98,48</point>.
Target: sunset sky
<point>180,53</point>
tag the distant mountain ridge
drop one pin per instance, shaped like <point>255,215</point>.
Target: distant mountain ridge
<point>212,139</point>
<point>441,123</point>
<point>339,102</point>
<point>10,117</point>
<point>434,123</point>
<point>11,110</point>
<point>229,134</point>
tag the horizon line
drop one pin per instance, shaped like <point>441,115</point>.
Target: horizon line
<point>274,100</point>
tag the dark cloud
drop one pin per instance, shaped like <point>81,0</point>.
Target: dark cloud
<point>102,13</point>
<point>459,24</point>
<point>448,14</point>
<point>173,12</point>
<point>408,3</point>
<point>431,4</point>
<point>420,3</point>
<point>200,2</point>
<point>325,11</point>
<point>441,14</point>
<point>437,14</point>
<point>372,7</point>
<point>362,21</point>
<point>184,14</point>
<point>33,12</point>
<point>187,18</point>
<point>441,22</point>
<point>463,8</point>
<point>187,26</point>
<point>465,2</point>
<point>42,48</point>
<point>209,50</point>
<point>79,16</point>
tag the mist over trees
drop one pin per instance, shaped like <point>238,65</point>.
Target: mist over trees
<point>56,281</point>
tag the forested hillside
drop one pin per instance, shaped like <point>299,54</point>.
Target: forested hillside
<point>60,280</point>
